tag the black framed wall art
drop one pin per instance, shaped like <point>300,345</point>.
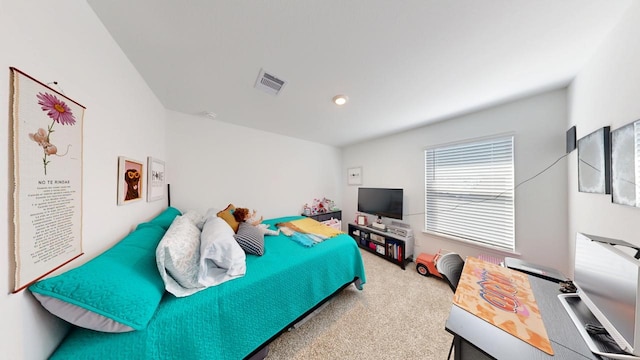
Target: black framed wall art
<point>594,162</point>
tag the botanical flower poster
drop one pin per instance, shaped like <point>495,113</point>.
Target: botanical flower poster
<point>47,159</point>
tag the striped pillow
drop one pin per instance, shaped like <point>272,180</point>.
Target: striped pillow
<point>250,239</point>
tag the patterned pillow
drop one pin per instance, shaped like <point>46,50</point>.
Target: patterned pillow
<point>227,215</point>
<point>250,239</point>
<point>178,257</point>
<point>196,218</point>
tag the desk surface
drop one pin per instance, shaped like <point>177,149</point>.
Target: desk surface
<point>565,339</point>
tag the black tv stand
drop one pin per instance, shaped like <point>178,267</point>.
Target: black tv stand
<point>391,247</point>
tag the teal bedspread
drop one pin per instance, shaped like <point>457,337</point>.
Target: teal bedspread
<point>231,320</point>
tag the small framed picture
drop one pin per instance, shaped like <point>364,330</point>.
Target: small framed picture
<point>354,176</point>
<point>130,175</point>
<point>155,179</point>
<point>361,220</point>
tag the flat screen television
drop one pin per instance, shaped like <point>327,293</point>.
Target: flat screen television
<point>382,202</point>
<point>607,276</point>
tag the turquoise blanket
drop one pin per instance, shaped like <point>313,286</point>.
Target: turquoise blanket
<point>231,320</point>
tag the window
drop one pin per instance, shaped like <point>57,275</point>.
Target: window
<point>469,191</point>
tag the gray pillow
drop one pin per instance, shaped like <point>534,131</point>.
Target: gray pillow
<point>250,239</point>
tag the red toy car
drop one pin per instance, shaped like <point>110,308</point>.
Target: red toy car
<point>426,264</point>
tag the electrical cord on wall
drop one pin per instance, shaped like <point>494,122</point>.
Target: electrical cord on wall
<point>500,194</point>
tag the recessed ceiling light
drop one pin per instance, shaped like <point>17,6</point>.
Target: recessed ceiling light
<point>340,99</point>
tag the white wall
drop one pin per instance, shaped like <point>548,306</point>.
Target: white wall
<point>538,124</point>
<point>65,42</point>
<point>606,93</point>
<point>225,163</point>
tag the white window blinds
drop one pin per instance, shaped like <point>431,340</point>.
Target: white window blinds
<point>469,191</point>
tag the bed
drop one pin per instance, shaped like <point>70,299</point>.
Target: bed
<point>238,318</point>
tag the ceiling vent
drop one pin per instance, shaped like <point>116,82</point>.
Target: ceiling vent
<point>269,83</point>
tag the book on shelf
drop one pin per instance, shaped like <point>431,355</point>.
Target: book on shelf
<point>394,249</point>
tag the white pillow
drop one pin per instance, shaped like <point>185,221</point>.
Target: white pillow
<point>211,213</point>
<point>178,257</point>
<point>221,258</point>
<point>195,218</point>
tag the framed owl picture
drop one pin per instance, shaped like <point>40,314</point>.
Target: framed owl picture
<point>130,179</point>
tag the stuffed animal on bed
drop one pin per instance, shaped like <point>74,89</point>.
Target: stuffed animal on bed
<point>251,217</point>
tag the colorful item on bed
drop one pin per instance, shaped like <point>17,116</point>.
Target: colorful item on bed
<point>302,239</point>
<point>307,231</point>
<point>311,226</point>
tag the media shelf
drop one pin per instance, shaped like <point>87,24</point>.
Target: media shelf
<point>391,247</point>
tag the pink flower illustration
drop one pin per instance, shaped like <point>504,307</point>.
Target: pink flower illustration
<point>57,109</point>
<point>60,113</point>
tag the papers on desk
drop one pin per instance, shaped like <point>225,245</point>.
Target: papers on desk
<point>504,298</point>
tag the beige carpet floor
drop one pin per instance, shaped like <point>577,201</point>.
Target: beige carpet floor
<point>399,315</point>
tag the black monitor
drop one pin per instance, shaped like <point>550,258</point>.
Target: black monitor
<point>382,202</point>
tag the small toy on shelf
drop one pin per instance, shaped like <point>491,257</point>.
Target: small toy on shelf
<point>319,206</point>
<point>329,204</point>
